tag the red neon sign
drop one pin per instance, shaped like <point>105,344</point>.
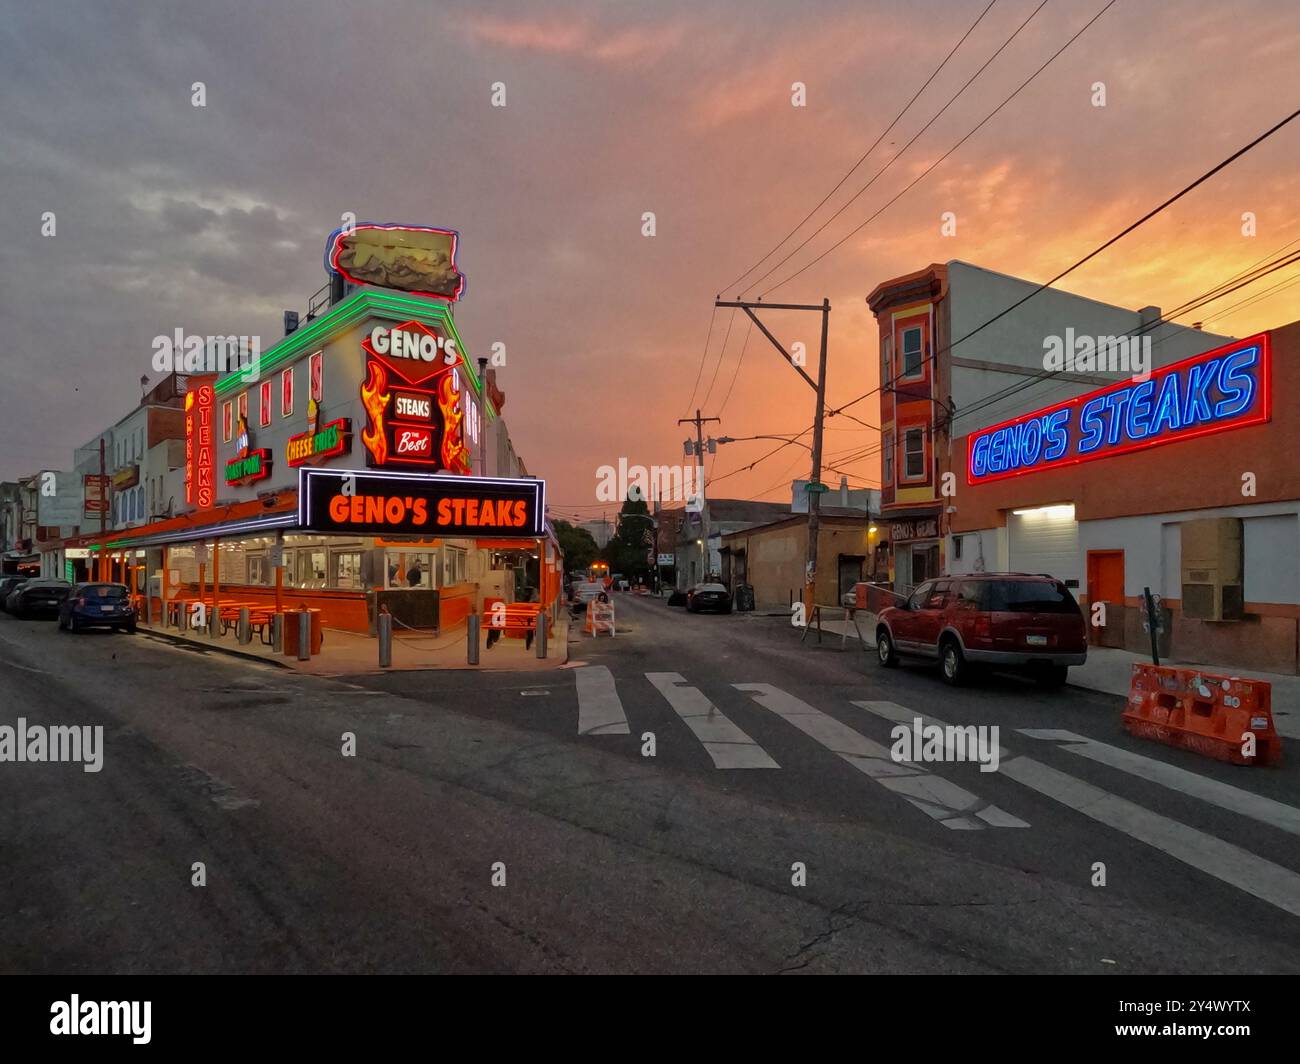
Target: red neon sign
<point>200,444</point>
<point>1226,388</point>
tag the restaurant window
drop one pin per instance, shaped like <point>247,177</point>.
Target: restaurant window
<point>286,393</point>
<point>345,568</point>
<point>259,568</point>
<point>310,568</point>
<point>453,566</point>
<point>914,445</point>
<point>227,421</point>
<point>912,359</point>
<point>265,400</point>
<point>411,569</point>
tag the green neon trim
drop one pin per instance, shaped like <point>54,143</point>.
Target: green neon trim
<point>367,303</point>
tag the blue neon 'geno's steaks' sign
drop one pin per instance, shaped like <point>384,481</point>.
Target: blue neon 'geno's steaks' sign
<point>1222,389</point>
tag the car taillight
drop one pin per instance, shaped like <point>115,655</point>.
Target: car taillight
<point>81,600</point>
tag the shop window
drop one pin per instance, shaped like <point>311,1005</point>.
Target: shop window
<point>912,356</point>
<point>259,569</point>
<point>411,569</point>
<point>914,447</point>
<point>453,567</point>
<point>345,569</point>
<point>310,568</point>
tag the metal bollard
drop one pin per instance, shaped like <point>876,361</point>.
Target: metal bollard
<point>277,633</point>
<point>540,638</point>
<point>385,629</point>
<point>304,635</point>
<point>244,632</point>
<point>471,635</point>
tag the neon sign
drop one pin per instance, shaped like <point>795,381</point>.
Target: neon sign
<point>200,447</point>
<point>412,425</point>
<point>248,468</point>
<point>332,439</point>
<point>1227,388</point>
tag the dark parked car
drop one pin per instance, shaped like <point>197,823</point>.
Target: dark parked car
<point>8,584</point>
<point>37,598</point>
<point>1018,621</point>
<point>704,597</point>
<point>97,606</point>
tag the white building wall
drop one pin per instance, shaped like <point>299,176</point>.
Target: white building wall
<point>975,295</point>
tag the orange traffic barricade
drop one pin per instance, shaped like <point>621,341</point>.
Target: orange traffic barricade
<point>1229,718</point>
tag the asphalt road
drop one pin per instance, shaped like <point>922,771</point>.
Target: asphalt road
<point>615,861</point>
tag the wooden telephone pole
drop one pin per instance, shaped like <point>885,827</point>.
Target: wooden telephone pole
<point>815,486</point>
<point>698,422</point>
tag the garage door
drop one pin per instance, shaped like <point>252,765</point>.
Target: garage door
<point>1045,540</point>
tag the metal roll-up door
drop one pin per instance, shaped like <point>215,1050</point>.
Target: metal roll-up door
<point>1045,540</point>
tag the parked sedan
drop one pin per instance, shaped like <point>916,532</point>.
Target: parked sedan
<point>1018,621</point>
<point>97,606</point>
<point>37,598</point>
<point>8,584</point>
<point>714,597</point>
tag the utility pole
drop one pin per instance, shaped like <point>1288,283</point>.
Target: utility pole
<point>815,486</point>
<point>698,422</point>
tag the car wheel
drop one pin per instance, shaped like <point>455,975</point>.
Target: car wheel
<point>952,664</point>
<point>1051,675</point>
<point>885,652</point>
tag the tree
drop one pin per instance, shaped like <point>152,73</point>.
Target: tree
<point>579,547</point>
<point>626,550</point>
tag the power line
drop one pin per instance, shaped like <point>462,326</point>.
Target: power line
<point>743,348</point>
<point>703,357</point>
<point>930,169</point>
<point>934,118</point>
<point>1092,254</point>
<point>839,184</point>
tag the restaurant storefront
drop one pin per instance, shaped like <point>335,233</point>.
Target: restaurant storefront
<point>343,469</point>
<point>1183,482</point>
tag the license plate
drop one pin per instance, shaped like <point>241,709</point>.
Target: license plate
<point>107,609</point>
<point>1036,640</point>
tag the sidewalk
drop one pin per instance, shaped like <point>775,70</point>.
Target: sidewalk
<point>1108,670</point>
<point>353,654</point>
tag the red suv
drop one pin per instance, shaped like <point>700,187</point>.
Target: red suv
<point>1002,620</point>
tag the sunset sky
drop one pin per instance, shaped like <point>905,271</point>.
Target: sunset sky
<point>214,219</point>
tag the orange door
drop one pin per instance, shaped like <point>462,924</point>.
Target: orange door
<point>1105,584</point>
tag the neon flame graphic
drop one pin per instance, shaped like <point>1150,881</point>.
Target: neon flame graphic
<point>375,401</point>
<point>455,455</point>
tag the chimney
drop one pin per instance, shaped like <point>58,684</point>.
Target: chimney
<point>844,491</point>
<point>1147,318</point>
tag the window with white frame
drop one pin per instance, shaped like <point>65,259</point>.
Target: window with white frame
<point>888,470</point>
<point>453,566</point>
<point>912,353</point>
<point>914,454</point>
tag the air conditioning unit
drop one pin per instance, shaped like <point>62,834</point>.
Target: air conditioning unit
<point>1212,569</point>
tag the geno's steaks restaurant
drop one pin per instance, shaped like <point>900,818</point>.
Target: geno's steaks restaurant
<point>344,469</point>
<point>1186,483</point>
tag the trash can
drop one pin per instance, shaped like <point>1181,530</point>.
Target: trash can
<point>291,632</point>
<point>744,598</point>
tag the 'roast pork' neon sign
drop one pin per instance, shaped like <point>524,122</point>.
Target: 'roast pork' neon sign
<point>1217,390</point>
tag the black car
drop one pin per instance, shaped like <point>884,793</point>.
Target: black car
<point>704,597</point>
<point>8,584</point>
<point>37,598</point>
<point>97,605</point>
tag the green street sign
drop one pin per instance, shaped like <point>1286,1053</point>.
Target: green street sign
<point>817,489</point>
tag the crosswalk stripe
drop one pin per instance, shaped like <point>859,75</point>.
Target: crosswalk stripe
<point>722,740</point>
<point>953,806</point>
<point>1223,795</point>
<point>1231,864</point>
<point>600,711</point>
